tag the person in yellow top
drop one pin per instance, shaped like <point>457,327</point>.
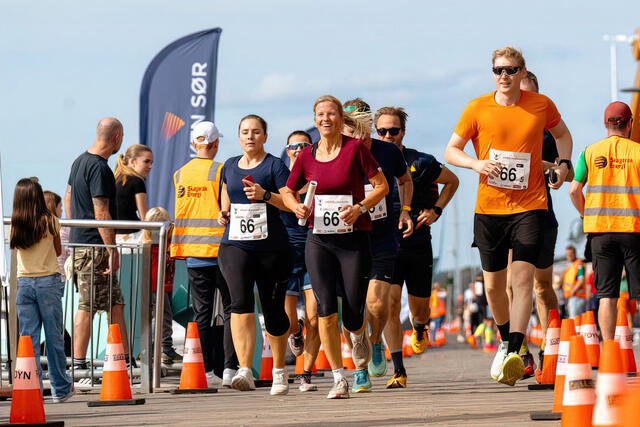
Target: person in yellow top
<point>35,233</point>
<point>196,238</point>
<point>573,284</point>
<point>610,168</point>
<point>507,127</point>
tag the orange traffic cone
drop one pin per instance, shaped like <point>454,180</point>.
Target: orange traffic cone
<point>266,367</point>
<point>26,399</point>
<point>387,353</point>
<point>299,365</point>
<point>440,337</point>
<point>552,342</point>
<point>322,363</point>
<point>610,386</point>
<point>347,355</point>
<point>115,389</point>
<point>578,323</point>
<point>625,338</point>
<point>579,394</point>
<point>629,413</point>
<point>471,340</point>
<point>567,331</point>
<point>407,350</point>
<point>193,378</point>
<point>590,334</point>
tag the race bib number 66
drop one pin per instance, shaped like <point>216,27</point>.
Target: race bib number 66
<point>514,174</point>
<point>326,217</point>
<point>248,221</point>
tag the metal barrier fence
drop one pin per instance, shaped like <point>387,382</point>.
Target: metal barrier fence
<point>150,368</point>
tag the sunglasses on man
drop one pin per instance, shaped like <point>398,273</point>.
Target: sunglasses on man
<point>509,70</point>
<point>392,131</point>
<point>296,145</point>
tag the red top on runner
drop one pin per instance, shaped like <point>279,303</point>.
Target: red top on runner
<point>343,175</point>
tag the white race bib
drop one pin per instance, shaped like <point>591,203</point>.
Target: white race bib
<point>248,221</point>
<point>326,217</point>
<point>379,211</point>
<point>514,174</point>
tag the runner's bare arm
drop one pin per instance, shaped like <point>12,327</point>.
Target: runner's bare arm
<point>405,188</point>
<point>455,155</point>
<point>225,205</point>
<point>254,191</point>
<point>380,189</point>
<point>451,182</point>
<point>108,235</point>
<point>564,142</point>
<point>142,205</point>
<point>291,199</point>
<point>575,192</point>
<point>67,202</point>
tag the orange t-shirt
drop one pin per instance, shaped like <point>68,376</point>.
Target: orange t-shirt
<point>502,131</point>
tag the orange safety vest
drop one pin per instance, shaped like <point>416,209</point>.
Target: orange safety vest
<point>437,306</point>
<point>196,232</point>
<point>612,201</point>
<point>570,278</point>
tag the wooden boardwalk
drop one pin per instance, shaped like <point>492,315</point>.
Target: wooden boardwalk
<point>448,386</point>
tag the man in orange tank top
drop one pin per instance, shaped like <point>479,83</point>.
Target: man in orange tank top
<point>506,128</point>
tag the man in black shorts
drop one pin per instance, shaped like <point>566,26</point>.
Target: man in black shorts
<point>414,261</point>
<point>384,245</point>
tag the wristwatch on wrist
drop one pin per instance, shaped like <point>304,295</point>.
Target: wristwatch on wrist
<point>437,210</point>
<point>363,208</point>
<point>567,162</point>
<point>267,195</point>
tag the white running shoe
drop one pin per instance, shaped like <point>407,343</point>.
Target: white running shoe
<point>361,352</point>
<point>496,366</point>
<point>213,381</point>
<point>340,390</point>
<point>243,380</point>
<point>280,385</point>
<point>227,376</point>
<point>306,385</point>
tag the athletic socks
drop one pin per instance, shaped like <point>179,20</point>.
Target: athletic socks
<point>515,342</point>
<point>337,375</point>
<point>396,357</point>
<point>419,326</point>
<point>504,331</point>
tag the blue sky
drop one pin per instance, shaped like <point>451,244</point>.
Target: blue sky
<point>66,64</point>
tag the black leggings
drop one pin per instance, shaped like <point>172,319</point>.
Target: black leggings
<point>340,264</point>
<point>270,271</point>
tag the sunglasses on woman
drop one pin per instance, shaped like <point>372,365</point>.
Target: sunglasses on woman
<point>296,145</point>
<point>509,70</point>
<point>392,131</point>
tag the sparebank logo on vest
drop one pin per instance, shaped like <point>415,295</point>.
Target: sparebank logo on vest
<point>601,162</point>
<point>177,93</point>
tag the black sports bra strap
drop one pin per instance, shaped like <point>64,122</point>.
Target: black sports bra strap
<point>314,148</point>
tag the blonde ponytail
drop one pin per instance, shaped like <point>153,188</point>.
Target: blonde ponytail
<point>123,170</point>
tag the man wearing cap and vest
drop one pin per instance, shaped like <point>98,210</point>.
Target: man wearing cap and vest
<point>573,285</point>
<point>611,210</point>
<point>196,238</point>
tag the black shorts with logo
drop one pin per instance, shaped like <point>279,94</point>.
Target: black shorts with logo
<point>611,252</point>
<point>414,266</point>
<point>547,247</point>
<point>494,235</point>
<point>382,264</point>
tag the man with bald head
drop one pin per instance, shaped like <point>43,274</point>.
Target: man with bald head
<point>91,194</point>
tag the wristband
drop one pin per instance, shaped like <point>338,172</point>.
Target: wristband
<point>363,208</point>
<point>406,208</point>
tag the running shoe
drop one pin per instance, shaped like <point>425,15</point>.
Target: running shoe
<point>66,397</point>
<point>361,352</point>
<point>361,381</point>
<point>512,369</point>
<point>399,380</point>
<point>529,365</point>
<point>539,369</point>
<point>489,348</point>
<point>496,366</point>
<point>378,363</point>
<point>243,380</point>
<point>227,376</point>
<point>340,390</point>
<point>305,384</point>
<point>420,340</point>
<point>213,381</point>
<point>296,342</point>
<point>170,356</point>
<point>280,384</point>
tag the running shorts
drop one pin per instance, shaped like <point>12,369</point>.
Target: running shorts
<point>494,235</point>
<point>414,266</point>
<point>611,252</point>
<point>382,265</point>
<point>547,248</point>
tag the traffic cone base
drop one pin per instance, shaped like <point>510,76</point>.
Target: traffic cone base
<point>266,366</point>
<point>192,378</point>
<point>115,389</point>
<point>347,355</point>
<point>579,393</point>
<point>26,399</point>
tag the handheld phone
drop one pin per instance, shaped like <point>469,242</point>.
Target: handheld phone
<point>250,179</point>
<point>553,176</point>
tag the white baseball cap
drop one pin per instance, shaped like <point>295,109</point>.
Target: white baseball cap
<point>204,133</point>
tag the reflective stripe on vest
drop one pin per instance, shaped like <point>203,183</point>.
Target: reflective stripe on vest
<point>612,199</point>
<point>197,232</point>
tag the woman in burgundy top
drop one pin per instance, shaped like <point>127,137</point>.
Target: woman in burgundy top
<point>337,251</point>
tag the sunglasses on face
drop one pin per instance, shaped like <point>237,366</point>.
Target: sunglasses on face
<point>297,145</point>
<point>509,70</point>
<point>392,131</point>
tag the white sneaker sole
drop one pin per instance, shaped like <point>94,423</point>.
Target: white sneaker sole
<point>308,387</point>
<point>241,384</point>
<point>279,391</point>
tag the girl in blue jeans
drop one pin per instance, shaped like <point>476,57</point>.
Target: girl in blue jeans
<point>35,234</point>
